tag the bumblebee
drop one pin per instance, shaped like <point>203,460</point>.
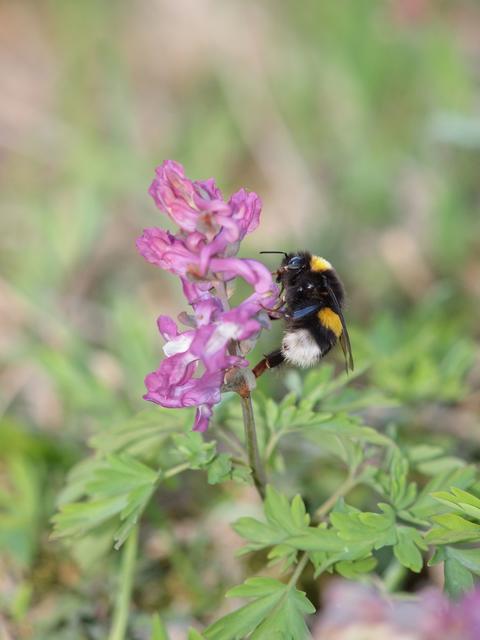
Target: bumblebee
<point>311,297</point>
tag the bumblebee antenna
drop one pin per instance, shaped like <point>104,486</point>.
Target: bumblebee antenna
<point>283,253</point>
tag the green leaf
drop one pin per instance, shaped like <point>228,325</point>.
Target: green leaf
<point>318,539</point>
<point>401,492</point>
<point>241,474</point>
<point>193,634</point>
<point>285,522</point>
<point>458,579</point>
<point>423,452</point>
<point>374,529</point>
<point>260,534</point>
<point>460,500</point>
<point>425,505</point>
<point>279,512</point>
<point>194,449</point>
<point>407,548</point>
<point>76,519</point>
<point>347,426</point>
<point>452,528</point>
<point>143,434</point>
<point>355,569</point>
<point>288,618</point>
<point>159,631</point>
<point>276,610</point>
<point>459,564</point>
<point>445,464</point>
<point>220,469</point>
<point>469,558</point>
<point>117,486</point>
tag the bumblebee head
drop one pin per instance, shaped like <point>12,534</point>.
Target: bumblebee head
<point>293,262</point>
<point>292,265</point>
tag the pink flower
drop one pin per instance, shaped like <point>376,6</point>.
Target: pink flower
<point>356,610</point>
<point>202,254</point>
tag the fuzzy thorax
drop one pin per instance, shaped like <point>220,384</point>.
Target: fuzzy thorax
<point>319,264</point>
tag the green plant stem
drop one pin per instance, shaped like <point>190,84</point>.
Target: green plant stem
<point>298,570</point>
<point>122,604</point>
<point>229,438</point>
<point>272,443</point>
<point>240,462</point>
<point>176,470</point>
<point>258,473</point>
<point>341,491</point>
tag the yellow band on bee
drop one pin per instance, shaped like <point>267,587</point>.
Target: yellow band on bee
<point>319,264</point>
<point>330,320</point>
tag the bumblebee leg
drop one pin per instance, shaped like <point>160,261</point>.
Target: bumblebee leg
<point>271,360</point>
<point>274,313</point>
<point>276,308</point>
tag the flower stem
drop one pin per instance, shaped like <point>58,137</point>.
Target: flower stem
<point>258,473</point>
<point>122,604</point>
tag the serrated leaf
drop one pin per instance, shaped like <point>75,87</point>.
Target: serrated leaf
<point>452,528</point>
<point>458,579</point>
<point>283,552</point>
<point>401,492</point>
<point>144,433</point>
<point>219,469</point>
<point>374,529</point>
<point>300,518</point>
<point>406,550</point>
<point>460,500</point>
<point>194,449</point>
<point>259,534</point>
<point>118,486</point>
<point>241,474</point>
<point>318,539</point>
<point>286,523</point>
<point>77,480</point>
<point>276,608</point>
<point>425,505</point>
<point>288,619</point>
<point>344,425</point>
<point>355,569</point>
<point>78,518</point>
<point>469,558</point>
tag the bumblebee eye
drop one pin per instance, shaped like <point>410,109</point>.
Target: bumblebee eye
<point>295,262</point>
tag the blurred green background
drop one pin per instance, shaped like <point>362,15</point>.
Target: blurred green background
<point>357,122</point>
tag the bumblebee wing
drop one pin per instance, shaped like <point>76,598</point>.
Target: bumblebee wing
<point>346,348</point>
<point>344,339</point>
<point>305,311</point>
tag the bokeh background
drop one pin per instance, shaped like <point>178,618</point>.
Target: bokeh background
<point>358,123</point>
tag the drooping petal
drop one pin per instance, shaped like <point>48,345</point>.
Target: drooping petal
<point>167,327</point>
<point>246,207</point>
<point>174,194</point>
<point>166,251</point>
<point>202,417</point>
